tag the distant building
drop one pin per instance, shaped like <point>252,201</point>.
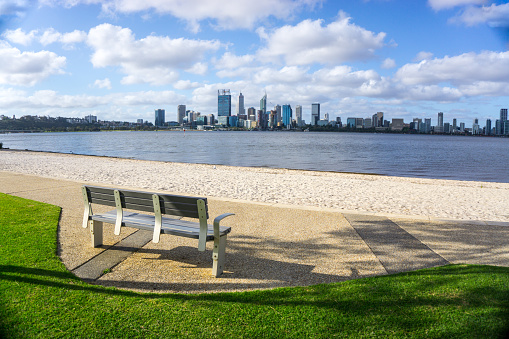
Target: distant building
<point>315,113</point>
<point>475,127</point>
<point>440,126</point>
<point>427,124</point>
<point>298,115</point>
<point>224,103</point>
<point>447,128</point>
<point>91,119</point>
<point>367,123</point>
<point>233,121</point>
<point>261,123</point>
<point>251,114</point>
<point>287,115</point>
<point>487,130</point>
<point>397,125</point>
<point>240,105</point>
<point>350,122</point>
<point>279,116</point>
<point>263,104</point>
<point>503,119</point>
<point>139,121</point>
<point>378,119</point>
<point>159,117</point>
<point>181,113</point>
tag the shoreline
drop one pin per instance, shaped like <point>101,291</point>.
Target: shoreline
<point>358,192</point>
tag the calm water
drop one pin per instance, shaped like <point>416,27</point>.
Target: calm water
<point>427,156</point>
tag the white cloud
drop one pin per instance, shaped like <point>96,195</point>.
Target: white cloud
<point>388,63</point>
<point>104,83</point>
<point>458,70</point>
<point>49,36</point>
<point>423,56</point>
<point>199,68</point>
<point>494,15</point>
<point>186,84</point>
<point>15,7</point>
<point>231,61</point>
<point>154,59</point>
<point>287,74</point>
<point>18,36</point>
<point>310,42</point>
<point>52,99</point>
<point>27,68</point>
<point>231,15</point>
<point>446,4</point>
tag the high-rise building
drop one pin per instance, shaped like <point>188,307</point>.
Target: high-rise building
<point>181,113</point>
<point>487,131</point>
<point>503,119</point>
<point>251,114</point>
<point>427,124</point>
<point>287,115</point>
<point>263,104</point>
<point>503,114</point>
<point>279,118</point>
<point>261,119</point>
<point>315,113</point>
<point>159,117</point>
<point>298,115</point>
<point>378,119</point>
<point>440,126</point>
<point>454,125</point>
<point>240,105</point>
<point>224,103</point>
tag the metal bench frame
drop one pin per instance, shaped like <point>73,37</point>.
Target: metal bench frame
<point>158,204</point>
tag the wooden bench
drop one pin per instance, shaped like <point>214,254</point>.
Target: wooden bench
<point>159,205</point>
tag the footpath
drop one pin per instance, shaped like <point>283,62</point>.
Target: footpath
<point>270,245</point>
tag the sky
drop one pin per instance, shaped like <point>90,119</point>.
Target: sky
<point>122,59</point>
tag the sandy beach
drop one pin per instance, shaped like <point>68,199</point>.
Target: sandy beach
<point>430,198</point>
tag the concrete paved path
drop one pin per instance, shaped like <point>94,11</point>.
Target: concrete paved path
<point>270,245</point>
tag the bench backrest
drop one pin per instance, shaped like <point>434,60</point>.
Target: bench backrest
<point>182,206</point>
<point>177,205</point>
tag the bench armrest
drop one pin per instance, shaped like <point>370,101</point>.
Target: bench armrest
<point>217,220</point>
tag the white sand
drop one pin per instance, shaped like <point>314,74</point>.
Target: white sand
<point>446,199</point>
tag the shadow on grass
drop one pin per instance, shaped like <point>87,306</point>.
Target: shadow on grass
<point>407,302</point>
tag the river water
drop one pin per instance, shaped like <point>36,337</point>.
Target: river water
<point>424,156</point>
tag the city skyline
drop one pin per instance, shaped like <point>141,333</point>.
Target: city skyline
<point>123,59</point>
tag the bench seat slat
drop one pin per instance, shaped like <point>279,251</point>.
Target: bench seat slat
<point>178,227</point>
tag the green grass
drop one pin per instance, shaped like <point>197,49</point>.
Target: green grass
<point>40,298</point>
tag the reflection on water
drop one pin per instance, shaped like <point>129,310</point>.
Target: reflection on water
<point>428,156</point>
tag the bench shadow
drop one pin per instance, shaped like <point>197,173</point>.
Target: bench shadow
<point>251,263</point>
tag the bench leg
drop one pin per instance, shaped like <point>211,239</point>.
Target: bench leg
<point>96,231</point>
<point>218,255</point>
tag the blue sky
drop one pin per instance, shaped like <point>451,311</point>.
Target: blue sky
<point>122,59</point>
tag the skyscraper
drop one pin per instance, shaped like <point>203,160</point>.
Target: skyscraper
<point>315,113</point>
<point>287,115</point>
<point>263,104</point>
<point>487,131</point>
<point>159,117</point>
<point>298,115</point>
<point>440,125</point>
<point>240,105</point>
<point>181,113</point>
<point>251,114</point>
<point>277,108</point>
<point>224,103</point>
<point>503,119</point>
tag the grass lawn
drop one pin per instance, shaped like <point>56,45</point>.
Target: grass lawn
<point>40,298</point>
